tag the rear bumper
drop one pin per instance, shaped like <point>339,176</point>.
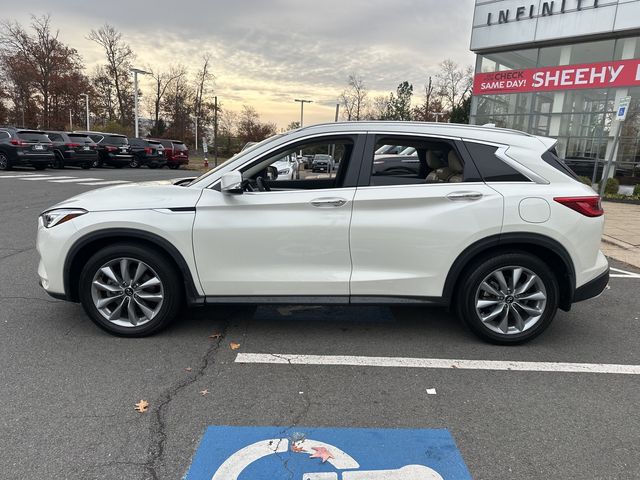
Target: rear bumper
<point>117,159</point>
<point>178,161</point>
<point>592,288</point>
<point>34,158</point>
<point>73,158</point>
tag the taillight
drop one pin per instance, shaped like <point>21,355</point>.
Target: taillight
<point>587,206</point>
<point>17,141</point>
<point>148,150</point>
<point>111,149</point>
<point>72,145</point>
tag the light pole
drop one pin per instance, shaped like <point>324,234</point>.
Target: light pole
<point>136,71</point>
<point>196,120</point>
<point>86,99</point>
<point>70,121</point>
<point>302,102</point>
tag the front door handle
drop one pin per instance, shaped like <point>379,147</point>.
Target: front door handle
<point>464,196</point>
<point>328,202</point>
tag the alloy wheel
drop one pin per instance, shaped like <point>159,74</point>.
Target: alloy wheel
<point>127,292</point>
<point>4,162</point>
<point>511,300</point>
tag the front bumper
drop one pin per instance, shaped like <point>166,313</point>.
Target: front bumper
<point>592,288</point>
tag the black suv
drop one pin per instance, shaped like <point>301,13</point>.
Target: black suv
<point>21,146</point>
<point>73,149</point>
<point>147,152</point>
<point>113,149</point>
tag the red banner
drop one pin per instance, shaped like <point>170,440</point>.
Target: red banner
<point>625,73</point>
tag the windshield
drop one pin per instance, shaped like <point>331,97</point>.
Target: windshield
<point>33,137</point>
<point>237,157</point>
<point>77,137</point>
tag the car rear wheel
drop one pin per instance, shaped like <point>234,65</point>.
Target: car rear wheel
<point>508,299</point>
<point>97,163</point>
<point>130,290</point>
<point>5,164</point>
<point>174,166</point>
<point>134,163</point>
<point>58,162</point>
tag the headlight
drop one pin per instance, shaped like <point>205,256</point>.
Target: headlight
<point>284,171</point>
<point>57,216</point>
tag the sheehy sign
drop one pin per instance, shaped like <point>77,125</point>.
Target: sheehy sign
<point>624,73</point>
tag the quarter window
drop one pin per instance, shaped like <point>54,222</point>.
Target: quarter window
<point>491,168</point>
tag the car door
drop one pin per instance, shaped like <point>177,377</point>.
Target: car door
<point>407,229</point>
<point>292,241</point>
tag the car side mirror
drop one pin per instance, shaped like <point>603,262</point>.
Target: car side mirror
<point>272,172</point>
<point>231,182</point>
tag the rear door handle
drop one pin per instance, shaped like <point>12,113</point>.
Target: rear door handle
<point>464,196</point>
<point>328,202</point>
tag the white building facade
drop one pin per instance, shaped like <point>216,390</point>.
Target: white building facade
<point>559,68</point>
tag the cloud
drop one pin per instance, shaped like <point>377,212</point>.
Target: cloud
<point>265,53</point>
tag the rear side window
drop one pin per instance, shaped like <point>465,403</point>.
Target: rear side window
<point>135,142</point>
<point>33,137</point>
<point>492,168</point>
<point>551,157</point>
<point>76,137</point>
<point>55,137</point>
<point>115,140</point>
<point>4,136</point>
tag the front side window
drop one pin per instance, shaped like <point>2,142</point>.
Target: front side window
<point>419,160</point>
<point>318,163</point>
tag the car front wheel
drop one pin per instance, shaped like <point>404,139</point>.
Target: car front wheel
<point>5,164</point>
<point>509,298</point>
<point>130,290</point>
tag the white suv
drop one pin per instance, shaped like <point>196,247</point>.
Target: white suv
<point>491,224</point>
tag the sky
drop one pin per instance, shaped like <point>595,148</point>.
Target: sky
<point>267,53</point>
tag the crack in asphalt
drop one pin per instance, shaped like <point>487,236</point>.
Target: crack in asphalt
<point>15,252</point>
<point>158,435</point>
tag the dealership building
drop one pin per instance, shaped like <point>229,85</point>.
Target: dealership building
<point>559,68</point>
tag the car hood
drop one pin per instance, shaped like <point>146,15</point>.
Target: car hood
<point>135,196</point>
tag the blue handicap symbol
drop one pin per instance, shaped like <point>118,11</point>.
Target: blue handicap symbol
<point>621,111</point>
<point>277,453</point>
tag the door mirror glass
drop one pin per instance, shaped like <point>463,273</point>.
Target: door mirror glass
<point>231,182</point>
<point>272,172</point>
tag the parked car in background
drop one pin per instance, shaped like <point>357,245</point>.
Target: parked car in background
<point>24,147</point>
<point>73,149</point>
<point>323,163</point>
<point>390,149</point>
<point>288,168</point>
<point>113,149</point>
<point>175,151</point>
<point>147,152</point>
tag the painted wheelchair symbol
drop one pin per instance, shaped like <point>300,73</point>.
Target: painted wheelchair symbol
<point>239,461</point>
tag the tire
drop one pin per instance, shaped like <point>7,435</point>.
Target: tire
<point>5,163</point>
<point>174,166</point>
<point>39,167</point>
<point>85,166</point>
<point>97,163</point>
<point>158,313</point>
<point>526,318</point>
<point>134,163</point>
<point>58,162</point>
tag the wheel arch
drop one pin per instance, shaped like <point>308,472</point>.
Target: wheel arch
<point>545,248</point>
<point>86,246</point>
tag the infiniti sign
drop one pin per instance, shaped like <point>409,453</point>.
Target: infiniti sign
<point>528,11</point>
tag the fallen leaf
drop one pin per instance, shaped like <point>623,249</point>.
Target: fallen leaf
<point>188,369</point>
<point>215,336</point>
<point>142,406</point>
<point>322,453</point>
<point>204,392</point>
<point>234,346</point>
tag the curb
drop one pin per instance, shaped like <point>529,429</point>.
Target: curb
<point>618,243</point>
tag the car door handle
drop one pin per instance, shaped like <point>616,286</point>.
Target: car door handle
<point>328,202</point>
<point>464,196</point>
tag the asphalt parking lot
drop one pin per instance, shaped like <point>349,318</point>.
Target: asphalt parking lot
<point>69,389</point>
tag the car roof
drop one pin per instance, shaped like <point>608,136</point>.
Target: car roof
<point>481,133</point>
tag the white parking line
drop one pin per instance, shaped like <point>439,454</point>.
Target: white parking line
<point>110,182</point>
<point>622,273</point>
<point>22,175</point>
<point>33,179</point>
<point>70,180</point>
<point>439,363</point>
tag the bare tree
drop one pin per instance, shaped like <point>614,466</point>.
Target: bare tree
<point>378,109</point>
<point>42,53</point>
<point>119,57</point>
<point>354,98</point>
<point>163,80</point>
<point>454,83</point>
